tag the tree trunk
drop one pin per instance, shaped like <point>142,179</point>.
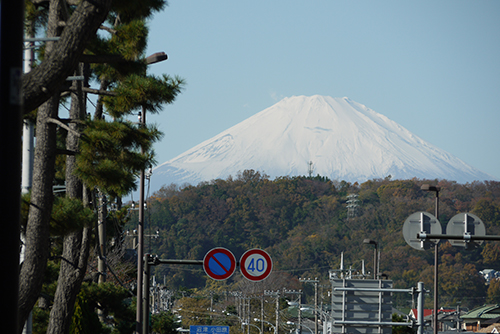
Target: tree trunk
<point>76,245</point>
<point>37,230</point>
<point>73,267</point>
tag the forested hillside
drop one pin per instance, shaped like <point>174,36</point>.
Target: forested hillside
<point>303,223</point>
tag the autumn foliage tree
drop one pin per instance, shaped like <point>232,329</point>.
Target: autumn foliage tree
<point>303,223</point>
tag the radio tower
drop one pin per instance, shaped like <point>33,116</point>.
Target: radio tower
<point>310,169</point>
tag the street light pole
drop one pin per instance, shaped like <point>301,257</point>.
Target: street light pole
<point>427,187</point>
<point>299,325</point>
<point>154,58</point>
<point>375,267</point>
<point>267,322</point>
<point>140,240</point>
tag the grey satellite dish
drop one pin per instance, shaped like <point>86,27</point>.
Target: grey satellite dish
<point>465,224</point>
<point>421,222</point>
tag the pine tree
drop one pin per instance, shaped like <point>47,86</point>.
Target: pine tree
<point>100,154</point>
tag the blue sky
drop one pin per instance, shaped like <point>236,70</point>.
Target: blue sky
<point>431,66</point>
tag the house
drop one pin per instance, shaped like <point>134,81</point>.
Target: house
<point>447,318</point>
<point>414,313</point>
<point>480,317</point>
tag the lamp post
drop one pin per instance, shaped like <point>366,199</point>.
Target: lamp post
<point>154,58</point>
<point>375,267</point>
<point>427,187</point>
<point>267,322</point>
<point>249,324</point>
<point>301,325</point>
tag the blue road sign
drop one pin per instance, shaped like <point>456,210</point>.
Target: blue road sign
<point>208,329</point>
<point>219,263</point>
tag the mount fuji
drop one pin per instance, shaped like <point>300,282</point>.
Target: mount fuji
<point>340,138</point>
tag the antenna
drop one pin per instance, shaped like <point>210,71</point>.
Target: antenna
<point>310,168</point>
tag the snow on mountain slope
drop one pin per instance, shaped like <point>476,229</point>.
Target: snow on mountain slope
<point>343,139</point>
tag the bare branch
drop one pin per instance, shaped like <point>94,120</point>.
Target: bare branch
<point>108,29</point>
<point>64,126</point>
<point>95,91</point>
<point>101,59</point>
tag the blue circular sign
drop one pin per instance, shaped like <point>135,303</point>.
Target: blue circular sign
<point>219,263</point>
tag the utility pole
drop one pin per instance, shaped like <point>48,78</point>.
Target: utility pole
<point>277,295</point>
<point>28,158</point>
<point>28,127</point>
<point>315,281</point>
<point>148,261</point>
<point>101,231</point>
<point>262,313</point>
<point>299,293</point>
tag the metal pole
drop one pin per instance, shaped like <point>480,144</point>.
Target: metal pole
<point>145,301</point>
<point>277,312</point>
<point>436,269</point>
<point>101,228</point>
<point>140,242</point>
<point>316,306</point>
<point>262,313</point>
<point>28,158</point>
<point>248,316</point>
<point>420,308</point>
<point>300,314</point>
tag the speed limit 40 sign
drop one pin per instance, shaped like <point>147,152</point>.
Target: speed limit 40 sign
<point>255,264</point>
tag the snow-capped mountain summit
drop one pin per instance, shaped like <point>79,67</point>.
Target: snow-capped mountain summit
<point>343,139</point>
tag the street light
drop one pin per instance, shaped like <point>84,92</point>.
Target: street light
<point>301,325</point>
<point>373,242</point>
<point>248,324</point>
<point>427,187</point>
<point>141,321</point>
<point>156,58</point>
<point>267,322</point>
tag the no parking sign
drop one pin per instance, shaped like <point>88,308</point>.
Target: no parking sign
<point>219,263</point>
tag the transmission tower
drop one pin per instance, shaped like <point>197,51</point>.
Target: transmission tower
<point>352,205</point>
